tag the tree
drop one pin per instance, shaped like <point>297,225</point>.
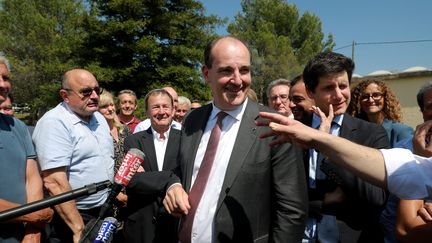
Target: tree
<point>280,40</point>
<point>40,38</point>
<point>148,44</point>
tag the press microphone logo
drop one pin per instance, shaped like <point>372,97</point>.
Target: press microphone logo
<point>131,162</point>
<point>106,231</point>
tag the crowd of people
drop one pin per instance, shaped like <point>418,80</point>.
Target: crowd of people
<point>324,161</point>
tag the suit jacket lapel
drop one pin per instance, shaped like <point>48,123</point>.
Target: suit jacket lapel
<point>192,138</point>
<point>348,129</point>
<point>149,150</point>
<point>171,151</point>
<point>246,137</point>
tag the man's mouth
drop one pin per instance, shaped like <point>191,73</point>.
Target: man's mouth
<point>234,88</point>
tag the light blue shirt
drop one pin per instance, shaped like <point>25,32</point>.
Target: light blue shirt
<point>86,149</point>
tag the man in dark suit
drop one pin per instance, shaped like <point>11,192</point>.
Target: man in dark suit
<point>146,221</point>
<point>253,192</point>
<point>343,207</point>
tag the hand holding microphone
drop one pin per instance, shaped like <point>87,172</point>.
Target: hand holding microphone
<point>131,163</point>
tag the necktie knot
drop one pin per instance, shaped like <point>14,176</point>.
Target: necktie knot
<point>220,116</point>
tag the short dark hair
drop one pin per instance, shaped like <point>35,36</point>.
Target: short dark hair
<point>208,58</point>
<point>326,63</point>
<point>420,95</point>
<point>296,79</point>
<point>157,92</point>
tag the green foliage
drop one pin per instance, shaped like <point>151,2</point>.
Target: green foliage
<point>142,45</point>
<point>132,44</point>
<point>145,44</point>
<point>280,40</point>
<point>40,38</point>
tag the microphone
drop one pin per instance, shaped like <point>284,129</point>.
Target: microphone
<point>130,164</point>
<point>53,200</point>
<point>106,230</point>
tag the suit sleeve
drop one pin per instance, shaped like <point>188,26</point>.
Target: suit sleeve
<point>352,185</point>
<point>290,193</point>
<point>148,182</point>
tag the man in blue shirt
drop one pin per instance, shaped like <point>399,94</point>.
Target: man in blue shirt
<point>75,148</point>
<point>20,181</point>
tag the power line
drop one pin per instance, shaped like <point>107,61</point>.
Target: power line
<point>382,43</point>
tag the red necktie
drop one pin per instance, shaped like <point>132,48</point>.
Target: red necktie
<point>199,185</point>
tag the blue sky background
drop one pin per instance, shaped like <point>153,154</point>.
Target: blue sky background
<point>365,21</point>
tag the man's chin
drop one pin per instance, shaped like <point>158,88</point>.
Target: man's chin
<point>91,110</point>
<point>127,113</point>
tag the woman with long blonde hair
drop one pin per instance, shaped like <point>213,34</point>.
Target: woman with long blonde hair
<point>118,132</point>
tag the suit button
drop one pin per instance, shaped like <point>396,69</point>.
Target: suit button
<point>154,220</point>
<point>227,190</point>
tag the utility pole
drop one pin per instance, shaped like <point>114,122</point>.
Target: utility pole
<point>352,50</point>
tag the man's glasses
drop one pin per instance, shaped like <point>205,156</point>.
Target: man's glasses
<point>282,97</point>
<point>87,92</point>
<point>374,95</point>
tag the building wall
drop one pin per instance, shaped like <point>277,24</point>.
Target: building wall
<point>406,87</point>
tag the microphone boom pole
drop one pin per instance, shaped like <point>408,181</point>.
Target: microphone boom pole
<point>50,201</point>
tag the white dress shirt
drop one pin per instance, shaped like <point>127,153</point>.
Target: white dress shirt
<point>203,226</point>
<point>160,146</point>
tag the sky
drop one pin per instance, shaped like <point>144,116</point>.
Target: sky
<point>364,21</point>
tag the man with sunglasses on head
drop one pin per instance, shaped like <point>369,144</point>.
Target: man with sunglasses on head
<point>75,148</point>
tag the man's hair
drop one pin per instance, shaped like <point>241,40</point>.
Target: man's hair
<point>208,57</point>
<point>65,81</point>
<point>129,92</point>
<point>324,64</point>
<point>4,60</point>
<point>420,95</point>
<point>276,82</point>
<point>11,98</point>
<point>154,93</point>
<point>296,80</point>
<point>184,100</point>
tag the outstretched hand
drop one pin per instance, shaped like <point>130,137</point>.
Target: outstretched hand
<point>288,130</point>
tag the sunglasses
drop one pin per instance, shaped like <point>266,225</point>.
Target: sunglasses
<point>87,92</point>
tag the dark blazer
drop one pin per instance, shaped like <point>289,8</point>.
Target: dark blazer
<point>263,196</point>
<point>146,220</point>
<point>364,201</point>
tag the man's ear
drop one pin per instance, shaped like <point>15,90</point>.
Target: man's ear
<point>64,94</point>
<point>204,71</point>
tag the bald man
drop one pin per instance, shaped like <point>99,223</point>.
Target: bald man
<point>75,148</point>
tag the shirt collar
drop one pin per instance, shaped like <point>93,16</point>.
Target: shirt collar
<point>157,136</point>
<point>76,119</point>
<point>316,121</point>
<point>237,113</point>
